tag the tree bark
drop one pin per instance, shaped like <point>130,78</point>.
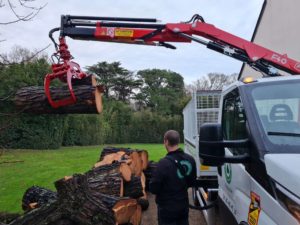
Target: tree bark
<point>105,179</point>
<point>105,195</point>
<point>136,163</point>
<point>46,215</point>
<point>137,216</point>
<point>93,198</point>
<point>110,150</point>
<point>144,157</point>
<point>133,188</point>
<point>33,99</point>
<point>148,173</point>
<point>144,203</point>
<point>36,197</point>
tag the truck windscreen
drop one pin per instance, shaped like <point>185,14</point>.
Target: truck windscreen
<point>278,108</point>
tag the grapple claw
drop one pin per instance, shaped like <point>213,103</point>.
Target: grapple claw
<point>66,71</point>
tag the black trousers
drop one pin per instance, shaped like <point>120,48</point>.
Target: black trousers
<point>178,221</point>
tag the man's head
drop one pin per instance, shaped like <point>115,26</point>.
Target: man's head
<point>171,140</point>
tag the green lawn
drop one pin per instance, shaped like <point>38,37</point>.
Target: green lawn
<point>43,167</point>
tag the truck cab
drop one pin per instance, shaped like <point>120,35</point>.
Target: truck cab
<point>256,147</point>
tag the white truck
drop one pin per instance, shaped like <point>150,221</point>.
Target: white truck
<point>255,146</point>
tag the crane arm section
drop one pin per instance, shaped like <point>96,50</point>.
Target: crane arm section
<point>147,31</point>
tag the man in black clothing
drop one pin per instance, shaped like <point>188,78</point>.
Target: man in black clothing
<point>173,175</point>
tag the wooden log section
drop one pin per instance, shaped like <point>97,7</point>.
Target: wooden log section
<point>124,169</point>
<point>92,208</point>
<point>136,159</point>
<point>143,201</point>
<point>110,158</point>
<point>88,94</point>
<point>144,157</point>
<point>6,218</point>
<point>103,209</point>
<point>35,197</point>
<point>136,163</point>
<point>96,197</point>
<point>137,216</point>
<point>105,179</point>
<point>49,214</point>
<point>143,182</point>
<point>148,173</point>
<point>111,193</point>
<point>110,150</point>
<point>124,210</point>
<point>133,188</point>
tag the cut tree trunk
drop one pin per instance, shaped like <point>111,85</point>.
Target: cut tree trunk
<point>143,201</point>
<point>133,188</point>
<point>6,218</point>
<point>112,193</point>
<point>49,214</point>
<point>92,208</point>
<point>88,94</point>
<point>110,150</point>
<point>105,179</point>
<point>93,198</point>
<point>110,158</point>
<point>148,173</point>
<point>144,157</point>
<point>124,169</point>
<point>136,163</point>
<point>35,197</point>
<point>137,216</point>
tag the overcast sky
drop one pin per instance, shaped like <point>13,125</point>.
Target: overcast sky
<point>190,60</point>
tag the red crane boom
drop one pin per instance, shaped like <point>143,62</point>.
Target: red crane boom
<point>148,32</point>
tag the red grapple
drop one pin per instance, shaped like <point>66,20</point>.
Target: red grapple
<point>66,71</point>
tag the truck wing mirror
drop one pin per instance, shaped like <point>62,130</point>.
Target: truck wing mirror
<point>212,146</point>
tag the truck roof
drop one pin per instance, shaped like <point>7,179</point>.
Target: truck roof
<point>263,80</point>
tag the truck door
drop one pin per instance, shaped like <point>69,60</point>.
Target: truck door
<point>234,180</point>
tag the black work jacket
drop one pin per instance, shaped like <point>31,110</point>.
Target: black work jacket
<point>170,186</point>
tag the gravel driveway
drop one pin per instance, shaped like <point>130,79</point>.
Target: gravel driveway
<point>150,215</point>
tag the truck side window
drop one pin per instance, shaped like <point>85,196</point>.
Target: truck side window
<point>234,119</point>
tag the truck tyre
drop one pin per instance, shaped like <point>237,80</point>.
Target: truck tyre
<point>195,198</point>
<point>243,223</point>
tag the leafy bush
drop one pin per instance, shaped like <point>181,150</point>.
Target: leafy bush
<point>34,132</point>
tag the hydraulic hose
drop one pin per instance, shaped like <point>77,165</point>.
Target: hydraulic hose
<point>51,36</point>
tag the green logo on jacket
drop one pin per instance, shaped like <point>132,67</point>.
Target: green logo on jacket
<point>187,168</point>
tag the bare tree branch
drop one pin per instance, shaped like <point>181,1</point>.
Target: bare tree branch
<point>23,4</point>
<point>4,59</point>
<point>213,81</point>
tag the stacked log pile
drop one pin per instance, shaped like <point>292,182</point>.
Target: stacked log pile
<point>111,193</point>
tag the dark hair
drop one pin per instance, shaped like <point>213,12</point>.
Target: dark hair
<point>173,137</point>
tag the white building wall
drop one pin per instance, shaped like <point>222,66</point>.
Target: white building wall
<point>278,30</point>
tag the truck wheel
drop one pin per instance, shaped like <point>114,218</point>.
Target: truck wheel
<point>195,198</point>
<point>243,223</point>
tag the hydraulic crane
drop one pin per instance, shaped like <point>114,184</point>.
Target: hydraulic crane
<point>147,31</point>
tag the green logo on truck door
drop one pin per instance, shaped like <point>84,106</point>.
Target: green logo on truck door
<point>228,172</point>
